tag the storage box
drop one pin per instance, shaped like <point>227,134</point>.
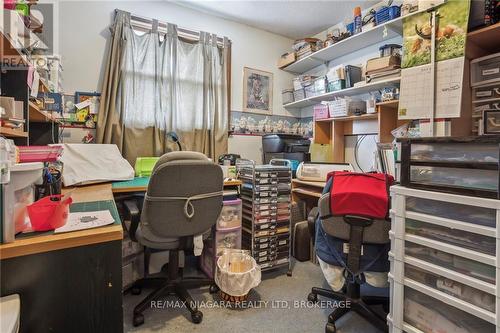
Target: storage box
<point>346,107</point>
<point>230,216</point>
<point>227,239</point>
<point>144,166</point>
<point>485,70</point>
<point>287,96</point>
<point>491,122</point>
<point>336,85</point>
<point>309,90</point>
<point>467,166</point>
<point>8,105</point>
<point>320,85</point>
<point>286,59</point>
<point>320,111</point>
<point>486,93</point>
<point>299,94</point>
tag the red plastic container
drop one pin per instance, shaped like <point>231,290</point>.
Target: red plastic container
<point>39,153</point>
<point>46,214</point>
<point>320,111</point>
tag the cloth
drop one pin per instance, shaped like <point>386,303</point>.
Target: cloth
<point>155,84</point>
<point>362,194</point>
<point>93,163</point>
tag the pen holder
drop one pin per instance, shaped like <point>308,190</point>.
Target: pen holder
<point>49,213</point>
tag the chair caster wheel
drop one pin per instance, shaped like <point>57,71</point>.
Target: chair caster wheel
<point>312,298</point>
<point>136,290</point>
<point>330,328</point>
<point>138,319</point>
<point>197,317</point>
<point>213,289</point>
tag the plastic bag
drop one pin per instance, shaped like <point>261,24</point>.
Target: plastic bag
<point>237,272</point>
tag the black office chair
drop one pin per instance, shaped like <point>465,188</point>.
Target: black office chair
<point>358,231</point>
<point>183,200</point>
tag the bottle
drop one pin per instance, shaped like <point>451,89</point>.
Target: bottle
<point>357,20</point>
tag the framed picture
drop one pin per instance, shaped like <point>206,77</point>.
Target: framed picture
<point>257,91</point>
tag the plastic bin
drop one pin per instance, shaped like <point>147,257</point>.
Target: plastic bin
<point>455,152</point>
<point>320,111</point>
<point>485,70</point>
<point>230,216</point>
<point>453,288</point>
<point>451,236</point>
<point>144,166</point>
<point>431,315</point>
<point>18,194</point>
<point>49,213</point>
<point>450,261</point>
<point>344,107</point>
<point>492,91</point>
<point>29,154</point>
<point>386,14</point>
<point>227,239</point>
<point>287,96</point>
<point>453,211</point>
<point>299,94</point>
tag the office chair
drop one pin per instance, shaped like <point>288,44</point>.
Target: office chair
<point>183,201</point>
<point>361,233</point>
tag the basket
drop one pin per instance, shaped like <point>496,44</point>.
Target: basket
<point>46,214</point>
<point>386,14</point>
<point>29,154</point>
<point>236,274</point>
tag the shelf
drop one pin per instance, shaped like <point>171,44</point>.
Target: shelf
<point>377,34</point>
<point>309,183</point>
<point>366,116</point>
<point>306,192</point>
<point>483,38</point>
<point>12,133</point>
<point>38,116</point>
<point>486,100</point>
<point>363,89</point>
<point>393,103</point>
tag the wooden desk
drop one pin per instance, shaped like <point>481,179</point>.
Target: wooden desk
<point>140,184</point>
<point>50,242</point>
<point>70,282</point>
<point>306,190</point>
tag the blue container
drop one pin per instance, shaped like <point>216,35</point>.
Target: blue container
<point>386,14</point>
<point>350,28</point>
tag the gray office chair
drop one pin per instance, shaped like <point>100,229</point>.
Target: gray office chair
<point>183,200</point>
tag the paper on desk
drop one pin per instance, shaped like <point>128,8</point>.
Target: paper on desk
<point>86,220</point>
<point>35,84</point>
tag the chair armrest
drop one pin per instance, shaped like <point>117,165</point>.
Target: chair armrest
<point>132,212</point>
<point>311,222</point>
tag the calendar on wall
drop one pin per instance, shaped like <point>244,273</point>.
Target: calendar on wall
<point>416,87</point>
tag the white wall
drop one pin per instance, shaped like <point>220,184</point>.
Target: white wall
<point>85,31</point>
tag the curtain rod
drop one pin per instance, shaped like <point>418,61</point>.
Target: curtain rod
<point>146,23</point>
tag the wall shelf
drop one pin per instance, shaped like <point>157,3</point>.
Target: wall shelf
<point>349,45</point>
<point>38,116</point>
<point>363,89</point>
<point>480,42</point>
<point>12,133</point>
<point>366,116</point>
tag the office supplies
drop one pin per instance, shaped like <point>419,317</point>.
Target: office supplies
<point>86,220</point>
<point>317,172</point>
<point>50,212</point>
<point>144,166</point>
<point>29,154</point>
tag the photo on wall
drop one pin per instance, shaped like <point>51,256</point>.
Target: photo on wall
<point>257,91</point>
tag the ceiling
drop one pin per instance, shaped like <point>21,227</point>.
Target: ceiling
<point>288,18</point>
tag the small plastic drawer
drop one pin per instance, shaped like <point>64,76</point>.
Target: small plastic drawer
<point>453,211</point>
<point>227,239</point>
<point>453,288</point>
<point>458,178</point>
<point>230,216</point>
<point>130,248</point>
<point>450,261</point>
<point>451,236</point>
<point>492,91</point>
<point>431,315</point>
<point>455,152</point>
<point>485,70</point>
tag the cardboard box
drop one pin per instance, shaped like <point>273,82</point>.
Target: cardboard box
<point>286,59</point>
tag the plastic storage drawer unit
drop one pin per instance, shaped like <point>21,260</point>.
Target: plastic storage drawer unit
<point>230,216</point>
<point>485,70</point>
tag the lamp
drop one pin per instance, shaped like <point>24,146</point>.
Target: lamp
<point>175,138</point>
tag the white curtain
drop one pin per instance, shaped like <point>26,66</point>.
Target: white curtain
<point>169,84</point>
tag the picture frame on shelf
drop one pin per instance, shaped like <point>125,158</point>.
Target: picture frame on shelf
<point>257,91</point>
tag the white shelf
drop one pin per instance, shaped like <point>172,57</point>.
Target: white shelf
<point>364,89</point>
<point>349,45</point>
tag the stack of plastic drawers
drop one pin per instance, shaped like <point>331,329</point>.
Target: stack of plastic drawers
<point>444,268</point>
<point>266,196</point>
<point>227,235</point>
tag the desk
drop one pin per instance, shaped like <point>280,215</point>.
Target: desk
<point>140,184</point>
<point>68,282</point>
<point>307,191</point>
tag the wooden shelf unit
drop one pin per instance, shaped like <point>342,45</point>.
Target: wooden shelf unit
<point>13,133</point>
<point>332,131</point>
<point>38,116</point>
<point>483,41</point>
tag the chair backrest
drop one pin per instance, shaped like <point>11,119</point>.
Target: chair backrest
<point>335,226</point>
<point>182,184</point>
